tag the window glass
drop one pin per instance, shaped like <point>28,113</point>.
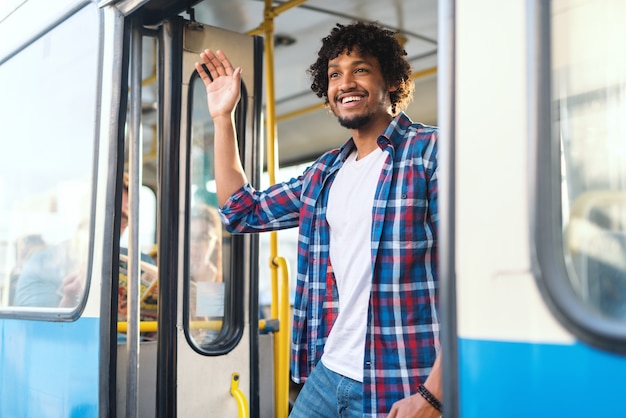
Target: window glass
<point>47,133</point>
<point>589,90</point>
<point>147,223</point>
<point>208,244</point>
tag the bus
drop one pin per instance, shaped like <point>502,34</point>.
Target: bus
<point>122,295</point>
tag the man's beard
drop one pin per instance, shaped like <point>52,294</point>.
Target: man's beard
<point>356,122</point>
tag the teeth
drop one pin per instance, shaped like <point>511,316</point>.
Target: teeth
<point>350,99</point>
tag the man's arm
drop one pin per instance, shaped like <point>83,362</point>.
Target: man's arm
<point>416,405</point>
<point>223,87</point>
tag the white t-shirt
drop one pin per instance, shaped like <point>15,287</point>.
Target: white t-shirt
<point>349,215</point>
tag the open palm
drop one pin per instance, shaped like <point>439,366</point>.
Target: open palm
<point>222,81</point>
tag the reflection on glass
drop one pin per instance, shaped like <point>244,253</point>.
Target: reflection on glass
<point>47,134</point>
<point>207,287</point>
<point>590,96</point>
<point>55,276</point>
<point>205,273</point>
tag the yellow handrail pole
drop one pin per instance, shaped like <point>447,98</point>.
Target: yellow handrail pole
<point>281,341</point>
<point>281,351</point>
<point>281,337</point>
<point>272,160</point>
<point>268,25</point>
<point>281,410</point>
<point>271,12</point>
<point>242,403</point>
<point>214,325</point>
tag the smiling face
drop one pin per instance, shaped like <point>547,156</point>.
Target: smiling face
<point>357,93</point>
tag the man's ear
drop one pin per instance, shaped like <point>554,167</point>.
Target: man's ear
<point>392,88</point>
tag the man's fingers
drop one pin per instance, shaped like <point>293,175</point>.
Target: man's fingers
<point>206,67</point>
<point>228,67</point>
<point>214,65</point>
<point>203,72</point>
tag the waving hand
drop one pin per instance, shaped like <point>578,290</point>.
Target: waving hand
<point>222,81</point>
<point>223,89</point>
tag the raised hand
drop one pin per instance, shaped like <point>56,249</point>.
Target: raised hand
<point>222,81</point>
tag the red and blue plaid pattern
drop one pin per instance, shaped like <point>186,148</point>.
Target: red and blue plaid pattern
<point>403,324</point>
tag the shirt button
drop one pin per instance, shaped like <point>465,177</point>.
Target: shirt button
<point>404,195</point>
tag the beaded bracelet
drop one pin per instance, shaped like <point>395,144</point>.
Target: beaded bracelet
<point>421,389</point>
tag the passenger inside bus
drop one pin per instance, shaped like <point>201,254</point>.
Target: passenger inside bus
<point>205,272</point>
<point>205,261</point>
<point>148,291</point>
<point>54,276</point>
<point>25,247</point>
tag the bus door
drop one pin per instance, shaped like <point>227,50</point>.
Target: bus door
<point>203,344</point>
<point>55,240</point>
<point>208,315</point>
<point>534,235</point>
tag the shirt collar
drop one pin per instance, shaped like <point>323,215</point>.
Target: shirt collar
<point>393,134</point>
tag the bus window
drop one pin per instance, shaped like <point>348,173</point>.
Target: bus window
<point>580,213</point>
<point>207,242</point>
<point>46,167</point>
<point>590,93</point>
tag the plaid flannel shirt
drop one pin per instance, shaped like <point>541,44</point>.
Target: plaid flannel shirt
<point>403,325</point>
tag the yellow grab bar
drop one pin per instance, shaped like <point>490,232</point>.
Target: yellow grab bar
<point>281,342</point>
<point>242,403</point>
<point>144,326</point>
<point>151,326</point>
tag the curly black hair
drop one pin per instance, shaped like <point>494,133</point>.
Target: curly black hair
<point>368,39</point>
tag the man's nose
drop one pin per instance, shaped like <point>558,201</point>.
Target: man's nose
<point>347,83</point>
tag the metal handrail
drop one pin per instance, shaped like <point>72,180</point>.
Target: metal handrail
<point>242,403</point>
<point>281,341</point>
<point>281,337</point>
<point>267,325</point>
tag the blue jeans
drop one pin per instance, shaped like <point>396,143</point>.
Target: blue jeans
<point>328,394</point>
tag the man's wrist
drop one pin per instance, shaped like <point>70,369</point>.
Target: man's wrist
<point>436,403</point>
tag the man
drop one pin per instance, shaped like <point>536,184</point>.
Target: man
<point>365,333</point>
